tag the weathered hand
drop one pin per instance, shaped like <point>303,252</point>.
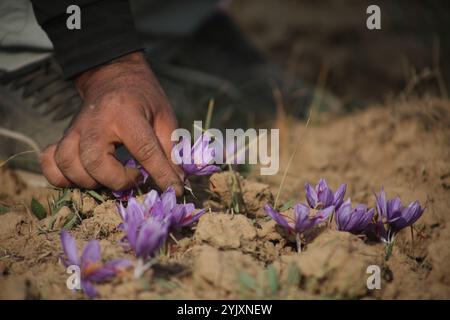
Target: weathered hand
<point>123,103</point>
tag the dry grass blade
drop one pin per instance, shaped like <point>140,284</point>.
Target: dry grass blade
<point>21,138</point>
<point>209,114</point>
<point>283,179</point>
<point>315,102</point>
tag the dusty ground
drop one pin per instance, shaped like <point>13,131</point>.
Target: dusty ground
<point>403,145</point>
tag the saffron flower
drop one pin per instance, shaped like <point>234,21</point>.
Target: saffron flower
<point>183,215</point>
<point>144,234</point>
<point>393,214</point>
<point>201,158</point>
<point>126,194</point>
<point>302,221</point>
<point>354,220</point>
<point>146,239</point>
<point>92,270</point>
<point>163,208</point>
<point>323,197</point>
<point>147,224</point>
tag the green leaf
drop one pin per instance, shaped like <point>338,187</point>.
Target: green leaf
<point>293,276</point>
<point>60,202</point>
<point>70,221</point>
<point>95,195</point>
<point>38,209</point>
<point>247,281</point>
<point>3,209</point>
<point>388,250</point>
<point>272,279</point>
<point>287,205</point>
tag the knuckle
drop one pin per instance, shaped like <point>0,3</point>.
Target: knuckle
<point>146,151</point>
<point>64,160</point>
<point>164,176</point>
<point>91,158</point>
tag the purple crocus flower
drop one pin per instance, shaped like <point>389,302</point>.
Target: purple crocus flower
<point>202,157</point>
<point>163,208</point>
<point>147,224</point>
<point>355,220</point>
<point>302,220</point>
<point>145,233</point>
<point>145,238</point>
<point>126,194</point>
<point>322,197</point>
<point>177,215</point>
<point>91,268</point>
<point>392,213</point>
<point>183,215</point>
<point>144,225</point>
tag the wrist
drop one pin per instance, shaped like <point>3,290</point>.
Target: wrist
<point>111,70</point>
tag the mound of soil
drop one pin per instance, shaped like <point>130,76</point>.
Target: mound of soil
<point>241,253</point>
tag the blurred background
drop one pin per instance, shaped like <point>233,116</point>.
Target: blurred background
<point>410,52</point>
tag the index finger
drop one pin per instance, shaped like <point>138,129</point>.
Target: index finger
<point>138,137</point>
<point>163,127</point>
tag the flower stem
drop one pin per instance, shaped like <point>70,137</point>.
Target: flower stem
<point>298,240</point>
<point>388,249</point>
<point>141,267</point>
<point>173,238</point>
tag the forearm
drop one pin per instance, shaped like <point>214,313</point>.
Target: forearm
<point>107,32</point>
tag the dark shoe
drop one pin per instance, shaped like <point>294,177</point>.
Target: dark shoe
<point>36,104</point>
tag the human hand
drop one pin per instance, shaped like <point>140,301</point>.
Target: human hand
<point>123,103</point>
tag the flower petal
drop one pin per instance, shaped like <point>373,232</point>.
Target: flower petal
<point>89,289</point>
<point>118,264</point>
<point>311,195</point>
<point>339,196</point>
<point>325,197</point>
<point>343,215</point>
<point>324,214</point>
<point>91,253</point>
<point>301,216</point>
<point>150,198</point>
<point>194,218</point>
<point>70,248</point>
<point>321,186</point>
<point>277,217</point>
<point>168,199</point>
<point>151,237</point>
<point>207,170</point>
<point>381,203</point>
<point>135,210</point>
<point>100,275</point>
<point>408,216</point>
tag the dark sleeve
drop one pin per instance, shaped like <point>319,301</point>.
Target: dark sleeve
<point>107,32</point>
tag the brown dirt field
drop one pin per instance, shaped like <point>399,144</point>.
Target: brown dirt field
<point>403,145</point>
